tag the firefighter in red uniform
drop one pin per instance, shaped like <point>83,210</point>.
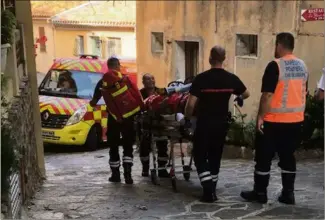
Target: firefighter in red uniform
<point>115,125</point>
<point>150,89</point>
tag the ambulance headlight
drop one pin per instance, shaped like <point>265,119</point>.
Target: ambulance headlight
<point>77,115</point>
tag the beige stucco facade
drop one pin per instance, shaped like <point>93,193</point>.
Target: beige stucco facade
<point>24,17</point>
<point>44,60</point>
<point>61,41</point>
<point>218,22</point>
<point>68,35</point>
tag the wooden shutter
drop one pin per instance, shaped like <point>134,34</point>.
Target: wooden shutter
<point>41,32</point>
<point>81,44</point>
<point>113,46</point>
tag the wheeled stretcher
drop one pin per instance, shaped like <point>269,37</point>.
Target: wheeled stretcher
<point>157,127</point>
<point>161,120</point>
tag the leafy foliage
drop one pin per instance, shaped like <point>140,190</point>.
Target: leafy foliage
<point>313,128</point>
<point>243,134</point>
<point>8,24</point>
<point>240,133</point>
<point>9,160</point>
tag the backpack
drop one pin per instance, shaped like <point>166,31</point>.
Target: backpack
<point>122,97</point>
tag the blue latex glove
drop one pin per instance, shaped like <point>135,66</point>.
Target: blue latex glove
<point>240,101</point>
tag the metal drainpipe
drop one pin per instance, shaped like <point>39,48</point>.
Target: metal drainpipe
<point>296,25</point>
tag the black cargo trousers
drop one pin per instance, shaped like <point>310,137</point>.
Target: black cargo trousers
<point>145,148</point>
<point>114,131</point>
<point>208,143</point>
<point>283,138</point>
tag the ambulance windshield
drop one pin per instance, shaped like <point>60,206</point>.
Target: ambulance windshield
<point>70,84</point>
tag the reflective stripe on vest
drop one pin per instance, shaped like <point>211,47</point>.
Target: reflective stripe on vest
<point>126,115</point>
<point>120,91</point>
<point>129,114</point>
<point>288,102</point>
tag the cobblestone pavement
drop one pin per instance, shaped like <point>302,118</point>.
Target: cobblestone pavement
<point>77,187</point>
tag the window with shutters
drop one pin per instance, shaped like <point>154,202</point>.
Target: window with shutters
<point>79,46</point>
<point>41,33</point>
<point>96,46</point>
<point>114,47</point>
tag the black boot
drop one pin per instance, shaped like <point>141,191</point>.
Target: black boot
<point>209,195</point>
<point>287,195</point>
<point>127,173</point>
<point>214,188</point>
<point>163,173</point>
<point>115,178</point>
<point>145,169</point>
<point>259,193</point>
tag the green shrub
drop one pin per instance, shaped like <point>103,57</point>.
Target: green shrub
<point>9,160</point>
<point>313,127</point>
<point>8,24</point>
<point>243,134</point>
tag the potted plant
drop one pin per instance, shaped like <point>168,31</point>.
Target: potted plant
<point>8,25</point>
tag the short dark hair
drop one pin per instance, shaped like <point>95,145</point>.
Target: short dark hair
<point>286,39</point>
<point>217,55</point>
<point>113,63</point>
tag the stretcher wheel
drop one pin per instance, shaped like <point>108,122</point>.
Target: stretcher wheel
<point>154,178</point>
<point>187,175</point>
<point>174,184</point>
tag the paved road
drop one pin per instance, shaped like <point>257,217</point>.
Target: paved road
<point>77,187</point>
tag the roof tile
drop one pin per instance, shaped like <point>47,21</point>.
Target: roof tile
<point>51,8</point>
<point>105,13</point>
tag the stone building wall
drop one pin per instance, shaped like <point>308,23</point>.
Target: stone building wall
<point>226,23</point>
<point>21,119</point>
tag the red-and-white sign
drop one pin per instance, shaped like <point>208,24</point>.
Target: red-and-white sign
<point>312,14</point>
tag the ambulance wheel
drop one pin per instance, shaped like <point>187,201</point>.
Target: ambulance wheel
<point>187,175</point>
<point>93,139</point>
<point>154,178</point>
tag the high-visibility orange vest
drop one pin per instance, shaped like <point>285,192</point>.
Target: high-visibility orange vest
<point>289,99</point>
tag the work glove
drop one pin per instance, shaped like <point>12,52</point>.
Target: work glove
<point>239,100</point>
<point>92,103</point>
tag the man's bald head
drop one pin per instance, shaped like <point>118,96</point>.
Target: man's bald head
<point>148,81</point>
<point>146,75</point>
<point>217,55</point>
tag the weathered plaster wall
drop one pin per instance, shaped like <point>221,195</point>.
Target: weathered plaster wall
<point>24,16</point>
<point>217,22</point>
<point>44,60</point>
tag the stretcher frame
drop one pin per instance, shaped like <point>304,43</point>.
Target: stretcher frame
<point>169,129</point>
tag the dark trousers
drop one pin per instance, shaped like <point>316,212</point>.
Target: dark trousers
<point>208,143</point>
<point>114,131</point>
<point>280,138</point>
<point>145,148</point>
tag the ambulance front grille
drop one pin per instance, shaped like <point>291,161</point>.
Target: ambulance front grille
<point>55,121</point>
